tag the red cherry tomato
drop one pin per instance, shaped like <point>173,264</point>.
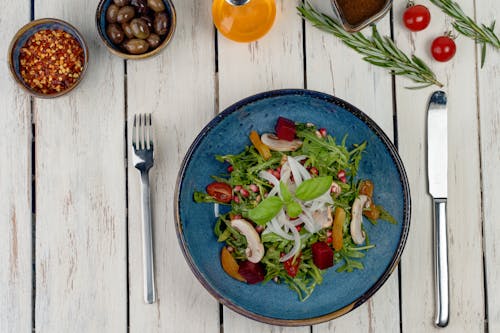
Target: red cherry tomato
<point>221,192</point>
<point>417,17</point>
<point>443,48</point>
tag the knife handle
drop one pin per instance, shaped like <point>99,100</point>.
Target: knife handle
<point>441,264</point>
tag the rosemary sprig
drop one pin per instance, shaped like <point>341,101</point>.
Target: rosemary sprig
<point>465,25</point>
<point>379,51</point>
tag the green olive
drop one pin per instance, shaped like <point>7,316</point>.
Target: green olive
<point>156,5</point>
<point>112,13</point>
<point>160,23</point>
<point>121,3</point>
<point>115,33</point>
<point>127,30</point>
<point>125,14</point>
<point>139,28</point>
<point>153,40</point>
<point>136,46</point>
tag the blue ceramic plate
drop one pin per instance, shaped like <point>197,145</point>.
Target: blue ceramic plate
<point>228,134</point>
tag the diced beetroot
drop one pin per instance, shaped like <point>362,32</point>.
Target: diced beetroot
<point>252,272</point>
<point>322,255</point>
<point>285,129</point>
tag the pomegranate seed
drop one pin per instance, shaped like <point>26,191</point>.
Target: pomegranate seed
<point>236,199</point>
<point>328,233</point>
<point>322,131</point>
<point>278,169</point>
<point>276,174</point>
<point>298,227</point>
<point>244,193</point>
<point>237,188</point>
<point>259,228</point>
<point>343,179</point>
<point>254,188</point>
<point>230,168</point>
<point>329,239</point>
<point>313,171</point>
<point>341,174</point>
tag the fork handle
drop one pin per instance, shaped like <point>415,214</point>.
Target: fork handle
<point>147,241</point>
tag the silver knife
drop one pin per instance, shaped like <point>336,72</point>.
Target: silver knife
<point>437,164</point>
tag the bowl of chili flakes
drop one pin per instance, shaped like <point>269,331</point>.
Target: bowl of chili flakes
<point>48,57</point>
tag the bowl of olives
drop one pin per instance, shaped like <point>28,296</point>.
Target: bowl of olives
<point>135,29</point>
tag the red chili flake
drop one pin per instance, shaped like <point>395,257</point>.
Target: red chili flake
<point>51,61</point>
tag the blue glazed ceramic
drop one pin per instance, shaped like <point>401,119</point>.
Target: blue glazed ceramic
<point>100,20</point>
<point>22,36</point>
<point>228,134</point>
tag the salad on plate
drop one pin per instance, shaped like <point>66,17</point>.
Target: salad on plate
<point>294,207</point>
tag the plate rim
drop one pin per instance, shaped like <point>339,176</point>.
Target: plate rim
<point>406,206</point>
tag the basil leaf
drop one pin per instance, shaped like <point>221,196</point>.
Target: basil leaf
<point>266,210</point>
<point>312,188</point>
<point>285,193</point>
<point>293,209</point>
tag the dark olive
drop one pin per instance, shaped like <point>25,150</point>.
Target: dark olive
<point>156,5</point>
<point>135,46</point>
<point>121,3</point>
<point>139,28</point>
<point>115,33</point>
<point>161,23</point>
<point>127,30</point>
<point>112,13</point>
<point>141,6</point>
<point>125,14</point>
<point>154,40</point>
<point>149,20</point>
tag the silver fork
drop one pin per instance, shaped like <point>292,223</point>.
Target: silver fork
<point>143,159</point>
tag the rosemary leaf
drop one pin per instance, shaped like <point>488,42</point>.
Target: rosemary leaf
<point>465,25</point>
<point>377,50</point>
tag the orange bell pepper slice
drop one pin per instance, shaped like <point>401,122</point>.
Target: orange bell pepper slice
<point>262,148</point>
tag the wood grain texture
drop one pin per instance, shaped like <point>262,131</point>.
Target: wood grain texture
<point>178,88</point>
<point>334,68</point>
<point>464,214</point>
<point>15,184</point>
<point>80,185</point>
<point>489,115</point>
<point>273,62</point>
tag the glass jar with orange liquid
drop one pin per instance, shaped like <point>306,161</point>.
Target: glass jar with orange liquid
<point>243,20</point>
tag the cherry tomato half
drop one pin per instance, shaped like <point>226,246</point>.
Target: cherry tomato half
<point>417,17</point>
<point>443,48</point>
<point>221,192</point>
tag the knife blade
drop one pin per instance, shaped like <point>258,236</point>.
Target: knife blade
<point>437,170</point>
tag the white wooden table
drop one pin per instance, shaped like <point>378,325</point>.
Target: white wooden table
<point>70,246</point>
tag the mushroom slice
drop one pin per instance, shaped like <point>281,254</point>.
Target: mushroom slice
<point>276,144</point>
<point>358,235</point>
<point>323,217</point>
<point>255,249</point>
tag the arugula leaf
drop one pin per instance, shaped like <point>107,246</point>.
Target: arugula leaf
<point>266,210</point>
<point>312,188</point>
<point>386,216</point>
<point>285,193</point>
<point>293,209</point>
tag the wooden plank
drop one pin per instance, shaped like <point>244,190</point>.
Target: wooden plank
<point>81,272</point>
<point>178,88</point>
<point>464,215</point>
<point>489,101</point>
<point>370,89</point>
<point>273,62</point>
<point>15,188</point>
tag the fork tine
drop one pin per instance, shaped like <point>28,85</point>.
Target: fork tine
<point>150,132</point>
<point>134,133</point>
<point>141,132</point>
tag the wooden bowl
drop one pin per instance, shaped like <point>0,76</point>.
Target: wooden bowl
<point>23,35</point>
<point>116,50</point>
